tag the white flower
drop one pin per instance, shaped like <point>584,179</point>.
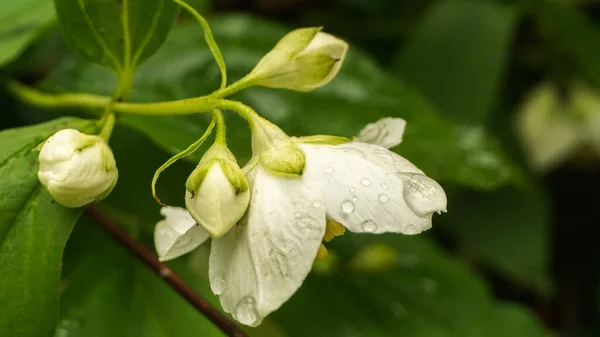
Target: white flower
<point>177,234</point>
<point>258,265</point>
<point>217,192</point>
<point>77,169</point>
<point>304,60</point>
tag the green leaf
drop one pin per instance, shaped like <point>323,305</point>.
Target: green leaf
<point>458,56</point>
<point>33,233</point>
<point>118,34</point>
<point>111,293</point>
<point>508,230</point>
<point>424,294</point>
<point>20,22</point>
<point>362,93</point>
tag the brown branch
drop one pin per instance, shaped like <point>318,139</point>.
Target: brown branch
<point>197,301</point>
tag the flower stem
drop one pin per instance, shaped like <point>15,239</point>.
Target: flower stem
<point>108,123</point>
<point>174,281</point>
<point>221,137</point>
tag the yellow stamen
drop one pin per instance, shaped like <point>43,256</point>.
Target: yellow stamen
<point>322,252</point>
<point>333,229</point>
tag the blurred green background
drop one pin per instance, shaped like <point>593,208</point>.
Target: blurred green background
<point>502,109</point>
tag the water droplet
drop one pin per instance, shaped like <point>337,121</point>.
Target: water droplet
<point>354,199</point>
<point>428,285</point>
<point>354,152</point>
<point>383,198</point>
<point>365,182</point>
<point>352,190</point>
<point>347,206</point>
<point>422,194</point>
<point>384,186</point>
<point>316,203</point>
<point>385,154</point>
<point>245,311</point>
<point>330,179</point>
<point>329,170</point>
<point>369,226</point>
<point>218,284</point>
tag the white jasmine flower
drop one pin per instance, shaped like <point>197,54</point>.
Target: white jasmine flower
<point>77,169</point>
<point>299,201</point>
<point>258,265</point>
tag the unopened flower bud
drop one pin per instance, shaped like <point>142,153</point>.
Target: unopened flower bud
<point>304,60</point>
<point>276,150</point>
<point>77,169</point>
<point>217,193</point>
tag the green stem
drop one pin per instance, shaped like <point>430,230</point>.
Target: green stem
<point>178,107</point>
<point>221,136</point>
<point>210,41</point>
<point>56,101</point>
<point>178,156</point>
<point>108,123</point>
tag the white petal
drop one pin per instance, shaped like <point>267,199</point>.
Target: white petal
<point>371,189</point>
<point>386,132</point>
<point>177,234</point>
<point>259,264</point>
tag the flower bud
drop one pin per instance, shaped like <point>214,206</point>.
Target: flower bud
<point>304,60</point>
<point>276,151</point>
<point>217,193</point>
<point>77,169</point>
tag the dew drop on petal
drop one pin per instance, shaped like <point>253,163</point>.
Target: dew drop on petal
<point>317,204</point>
<point>383,198</point>
<point>384,186</point>
<point>365,182</point>
<point>352,190</point>
<point>218,283</point>
<point>354,199</point>
<point>385,154</point>
<point>423,195</point>
<point>245,311</point>
<point>329,170</point>
<point>369,226</point>
<point>347,206</point>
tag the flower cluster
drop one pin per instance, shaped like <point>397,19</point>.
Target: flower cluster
<point>271,219</point>
<point>259,263</point>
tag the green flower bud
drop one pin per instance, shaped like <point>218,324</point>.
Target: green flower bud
<point>77,169</point>
<point>303,60</point>
<point>276,151</point>
<point>217,193</point>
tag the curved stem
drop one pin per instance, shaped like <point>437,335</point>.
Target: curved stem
<point>210,41</point>
<point>180,155</point>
